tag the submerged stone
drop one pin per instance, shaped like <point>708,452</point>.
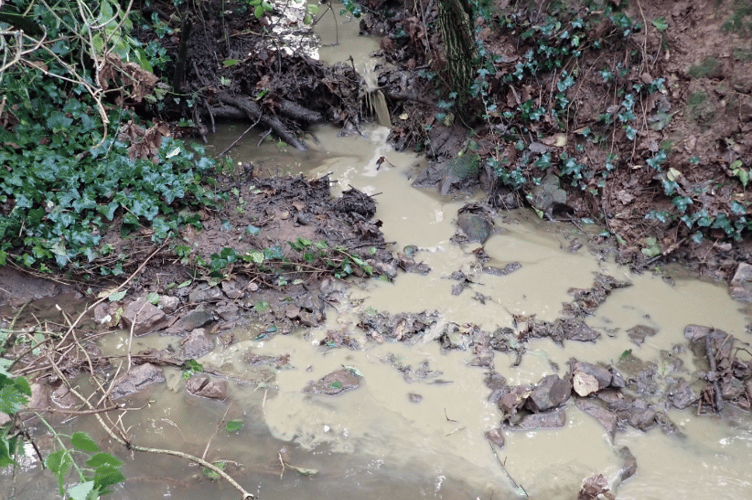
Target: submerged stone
<point>476,228</point>
<point>602,375</point>
<point>136,379</point>
<point>741,284</point>
<point>548,420</point>
<point>197,344</point>
<point>551,392</point>
<point>495,437</point>
<point>201,385</point>
<point>334,383</point>
<point>143,317</point>
<point>605,417</point>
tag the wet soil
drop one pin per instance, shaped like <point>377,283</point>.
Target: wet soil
<point>264,276</point>
<point>700,119</point>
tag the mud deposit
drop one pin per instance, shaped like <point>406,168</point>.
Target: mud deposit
<point>415,388</point>
<point>468,351</point>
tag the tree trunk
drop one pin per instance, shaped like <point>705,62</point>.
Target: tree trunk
<point>456,24</point>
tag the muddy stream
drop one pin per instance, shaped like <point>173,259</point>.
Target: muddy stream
<point>422,436</point>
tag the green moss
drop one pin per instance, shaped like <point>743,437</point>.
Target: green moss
<point>696,98</point>
<point>739,22</point>
<point>742,54</point>
<point>709,66</point>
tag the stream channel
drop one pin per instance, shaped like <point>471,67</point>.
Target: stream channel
<point>424,438</point>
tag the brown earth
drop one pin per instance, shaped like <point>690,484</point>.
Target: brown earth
<point>699,113</point>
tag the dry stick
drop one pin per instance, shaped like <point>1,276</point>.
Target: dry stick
<point>130,336</point>
<point>239,138</point>
<point>501,464</point>
<point>124,442</point>
<point>718,403</point>
<point>95,304</point>
<point>216,429</point>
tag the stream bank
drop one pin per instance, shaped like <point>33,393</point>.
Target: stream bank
<point>426,370</point>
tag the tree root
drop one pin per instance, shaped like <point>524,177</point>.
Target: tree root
<point>253,111</point>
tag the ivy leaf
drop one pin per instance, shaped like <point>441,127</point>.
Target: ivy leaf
<point>58,121</point>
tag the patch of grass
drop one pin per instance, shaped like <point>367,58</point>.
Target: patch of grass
<point>696,98</point>
<point>741,54</point>
<point>739,22</point>
<point>708,67</point>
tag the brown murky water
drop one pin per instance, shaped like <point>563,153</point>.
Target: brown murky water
<point>375,442</point>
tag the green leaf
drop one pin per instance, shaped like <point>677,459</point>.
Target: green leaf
<point>101,459</point>
<point>114,297</point>
<point>306,472</point>
<point>336,385</point>
<point>660,23</point>
<point>59,463</point>
<point>81,491</point>
<point>11,399</point>
<point>258,11</point>
<point>210,473</point>
<point>107,475</point>
<point>83,442</point>
<point>234,425</point>
<point>230,62</point>
<point>255,256</point>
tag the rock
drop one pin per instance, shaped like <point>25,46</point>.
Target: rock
<point>641,416</point>
<point>549,420</point>
<point>384,268</point>
<point>585,384</point>
<point>102,313</point>
<point>630,463</point>
<point>602,375</point>
<point>605,417</point>
<point>230,312</point>
<point>200,385</point>
<point>194,319</point>
<point>741,284</point>
<point>476,228</point>
<point>495,437</point>
<point>513,399</point>
<point>595,487</point>
<point>638,333</point>
<point>681,394</point>
<point>334,383</point>
<point>231,290</point>
<point>583,333</point>
<point>617,379</point>
<point>63,397</point>
<point>546,196</point>
<point>415,398</point>
<point>732,388</point>
<point>40,396</point>
<point>205,293</point>
<point>508,269</point>
<point>550,392</point>
<point>136,379</point>
<point>292,311</point>
<point>169,304</point>
<point>696,332</point>
<point>197,344</point>
<point>143,317</point>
